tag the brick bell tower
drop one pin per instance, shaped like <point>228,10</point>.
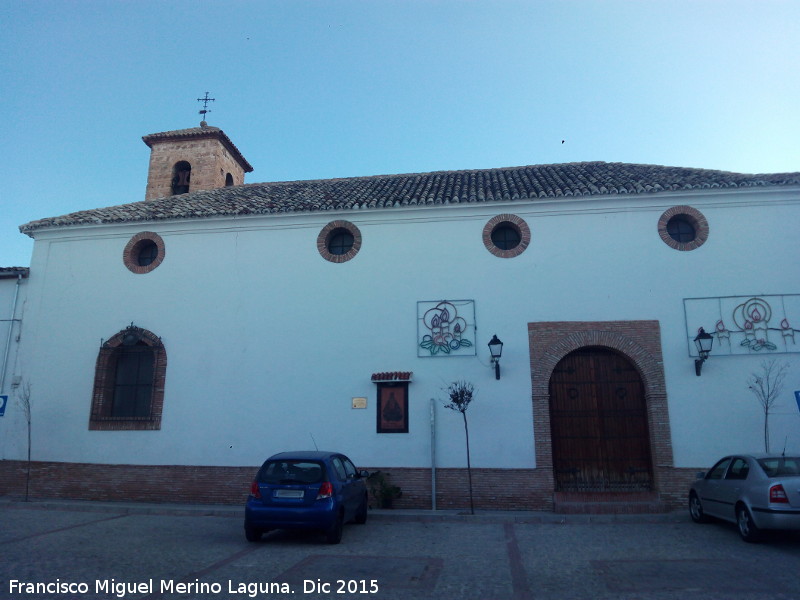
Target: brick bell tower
<point>188,160</point>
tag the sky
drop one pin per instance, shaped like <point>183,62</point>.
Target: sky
<point>324,89</point>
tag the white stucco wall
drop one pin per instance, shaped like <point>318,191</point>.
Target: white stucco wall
<point>267,342</point>
<point>12,306</point>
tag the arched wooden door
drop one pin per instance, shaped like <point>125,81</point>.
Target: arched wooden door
<point>598,420</point>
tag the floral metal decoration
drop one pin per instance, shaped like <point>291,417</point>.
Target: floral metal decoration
<point>446,327</point>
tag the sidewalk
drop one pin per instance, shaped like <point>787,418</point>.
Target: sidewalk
<point>480,516</point>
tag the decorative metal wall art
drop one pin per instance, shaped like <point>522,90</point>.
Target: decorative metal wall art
<point>745,324</point>
<point>446,328</point>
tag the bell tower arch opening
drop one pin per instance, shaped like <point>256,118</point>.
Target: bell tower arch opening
<point>181,175</point>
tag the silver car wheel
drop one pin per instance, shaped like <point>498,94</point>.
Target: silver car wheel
<point>747,529</point>
<point>696,509</point>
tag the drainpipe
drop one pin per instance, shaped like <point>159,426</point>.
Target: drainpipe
<point>433,454</point>
<point>10,333</point>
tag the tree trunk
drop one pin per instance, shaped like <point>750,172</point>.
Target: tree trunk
<point>469,466</point>
<point>28,473</point>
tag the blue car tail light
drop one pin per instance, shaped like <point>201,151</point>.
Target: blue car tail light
<point>325,490</point>
<point>254,491</point>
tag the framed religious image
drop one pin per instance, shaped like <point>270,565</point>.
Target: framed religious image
<point>392,407</point>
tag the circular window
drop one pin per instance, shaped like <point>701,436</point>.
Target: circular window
<point>148,252</point>
<point>683,228</point>
<point>144,252</point>
<point>339,241</point>
<point>506,236</point>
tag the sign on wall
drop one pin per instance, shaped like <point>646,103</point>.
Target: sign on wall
<point>745,324</point>
<point>446,328</point>
<point>3,402</point>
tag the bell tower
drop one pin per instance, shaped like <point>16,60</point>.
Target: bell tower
<point>188,160</point>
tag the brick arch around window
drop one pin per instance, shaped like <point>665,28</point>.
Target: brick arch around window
<point>640,343</point>
<point>129,340</point>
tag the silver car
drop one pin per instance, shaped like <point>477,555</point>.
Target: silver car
<point>756,492</point>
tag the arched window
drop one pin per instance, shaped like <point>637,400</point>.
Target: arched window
<point>181,174</point>
<point>133,381</point>
<point>228,180</point>
<point>129,382</point>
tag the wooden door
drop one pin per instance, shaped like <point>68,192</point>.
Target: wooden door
<point>598,421</point>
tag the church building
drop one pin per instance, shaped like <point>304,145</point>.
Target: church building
<point>608,316</point>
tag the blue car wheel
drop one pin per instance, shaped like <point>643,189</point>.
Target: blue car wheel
<point>253,534</point>
<point>334,534</point>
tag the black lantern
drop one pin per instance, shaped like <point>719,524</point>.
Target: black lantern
<point>703,341</point>
<point>496,350</point>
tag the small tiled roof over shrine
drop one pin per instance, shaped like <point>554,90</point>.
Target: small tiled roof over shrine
<point>17,272</point>
<point>420,189</point>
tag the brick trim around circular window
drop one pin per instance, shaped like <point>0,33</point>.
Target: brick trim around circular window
<point>691,215</point>
<point>130,256</point>
<point>327,233</point>
<point>516,223</point>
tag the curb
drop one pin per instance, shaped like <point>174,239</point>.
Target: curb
<point>426,516</point>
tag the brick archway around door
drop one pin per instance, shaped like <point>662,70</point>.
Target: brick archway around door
<point>640,342</point>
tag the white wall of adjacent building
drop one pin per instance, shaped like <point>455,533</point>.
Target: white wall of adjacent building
<point>13,287</point>
<point>267,343</point>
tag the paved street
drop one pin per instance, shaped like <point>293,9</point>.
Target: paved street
<point>85,551</point>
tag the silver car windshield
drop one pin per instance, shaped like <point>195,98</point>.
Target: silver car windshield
<point>780,466</point>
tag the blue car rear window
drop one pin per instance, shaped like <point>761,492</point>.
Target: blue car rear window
<point>291,471</point>
<point>780,466</point>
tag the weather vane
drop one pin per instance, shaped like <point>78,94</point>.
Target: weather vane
<point>205,102</point>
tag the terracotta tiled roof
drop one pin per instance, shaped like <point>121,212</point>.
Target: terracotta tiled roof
<point>421,189</point>
<point>392,376</point>
<point>204,131</point>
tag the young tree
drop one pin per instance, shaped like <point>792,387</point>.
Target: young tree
<point>766,387</point>
<point>461,394</point>
<point>24,401</point>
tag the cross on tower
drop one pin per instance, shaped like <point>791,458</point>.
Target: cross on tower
<point>205,100</point>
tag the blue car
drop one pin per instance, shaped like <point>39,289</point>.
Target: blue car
<point>306,490</point>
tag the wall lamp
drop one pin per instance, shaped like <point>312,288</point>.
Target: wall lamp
<point>496,350</point>
<point>703,341</point>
